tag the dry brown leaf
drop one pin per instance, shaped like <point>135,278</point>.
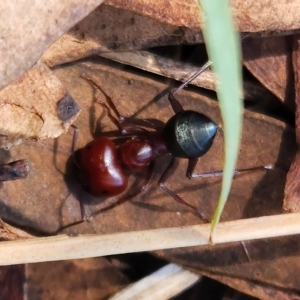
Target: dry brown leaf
<point>93,278</point>
<point>28,28</point>
<point>269,60</point>
<point>97,33</point>
<point>48,197</point>
<point>109,29</point>
<point>36,106</point>
<point>20,32</point>
<point>260,291</point>
<point>291,200</point>
<point>251,16</point>
<point>12,281</point>
<point>273,261</point>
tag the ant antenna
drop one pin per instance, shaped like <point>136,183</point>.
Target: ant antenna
<point>186,83</point>
<point>203,68</point>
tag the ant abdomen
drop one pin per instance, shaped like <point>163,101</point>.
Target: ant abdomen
<point>189,134</point>
<point>100,168</point>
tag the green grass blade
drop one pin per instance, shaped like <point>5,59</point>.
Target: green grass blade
<point>223,46</point>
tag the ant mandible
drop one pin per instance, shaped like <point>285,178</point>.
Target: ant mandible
<point>105,164</point>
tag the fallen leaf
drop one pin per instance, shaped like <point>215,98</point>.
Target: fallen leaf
<point>49,197</point>
<point>25,36</point>
<point>251,16</point>
<point>19,34</point>
<point>254,289</point>
<point>92,278</point>
<point>36,106</point>
<point>269,60</point>
<point>12,280</point>
<point>108,29</point>
<point>291,200</point>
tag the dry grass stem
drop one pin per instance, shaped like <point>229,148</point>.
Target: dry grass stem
<point>64,247</point>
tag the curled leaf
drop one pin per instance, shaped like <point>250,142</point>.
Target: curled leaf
<point>36,106</point>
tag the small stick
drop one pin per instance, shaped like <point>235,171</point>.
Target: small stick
<point>164,283</point>
<point>64,247</point>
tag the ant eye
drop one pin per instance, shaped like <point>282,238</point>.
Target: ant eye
<point>89,147</point>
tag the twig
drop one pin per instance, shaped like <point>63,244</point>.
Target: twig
<point>65,247</point>
<point>177,70</point>
<point>165,283</point>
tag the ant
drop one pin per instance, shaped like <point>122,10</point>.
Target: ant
<point>106,164</point>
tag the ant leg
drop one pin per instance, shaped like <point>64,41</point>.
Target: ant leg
<point>191,167</point>
<point>147,179</point>
<point>143,188</point>
<point>140,190</point>
<point>189,173</point>
<point>111,117</point>
<point>82,220</point>
<point>74,142</point>
<point>177,198</point>
<point>176,106</point>
<point>124,130</point>
<point>75,138</point>
<point>120,121</point>
<point>192,163</point>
